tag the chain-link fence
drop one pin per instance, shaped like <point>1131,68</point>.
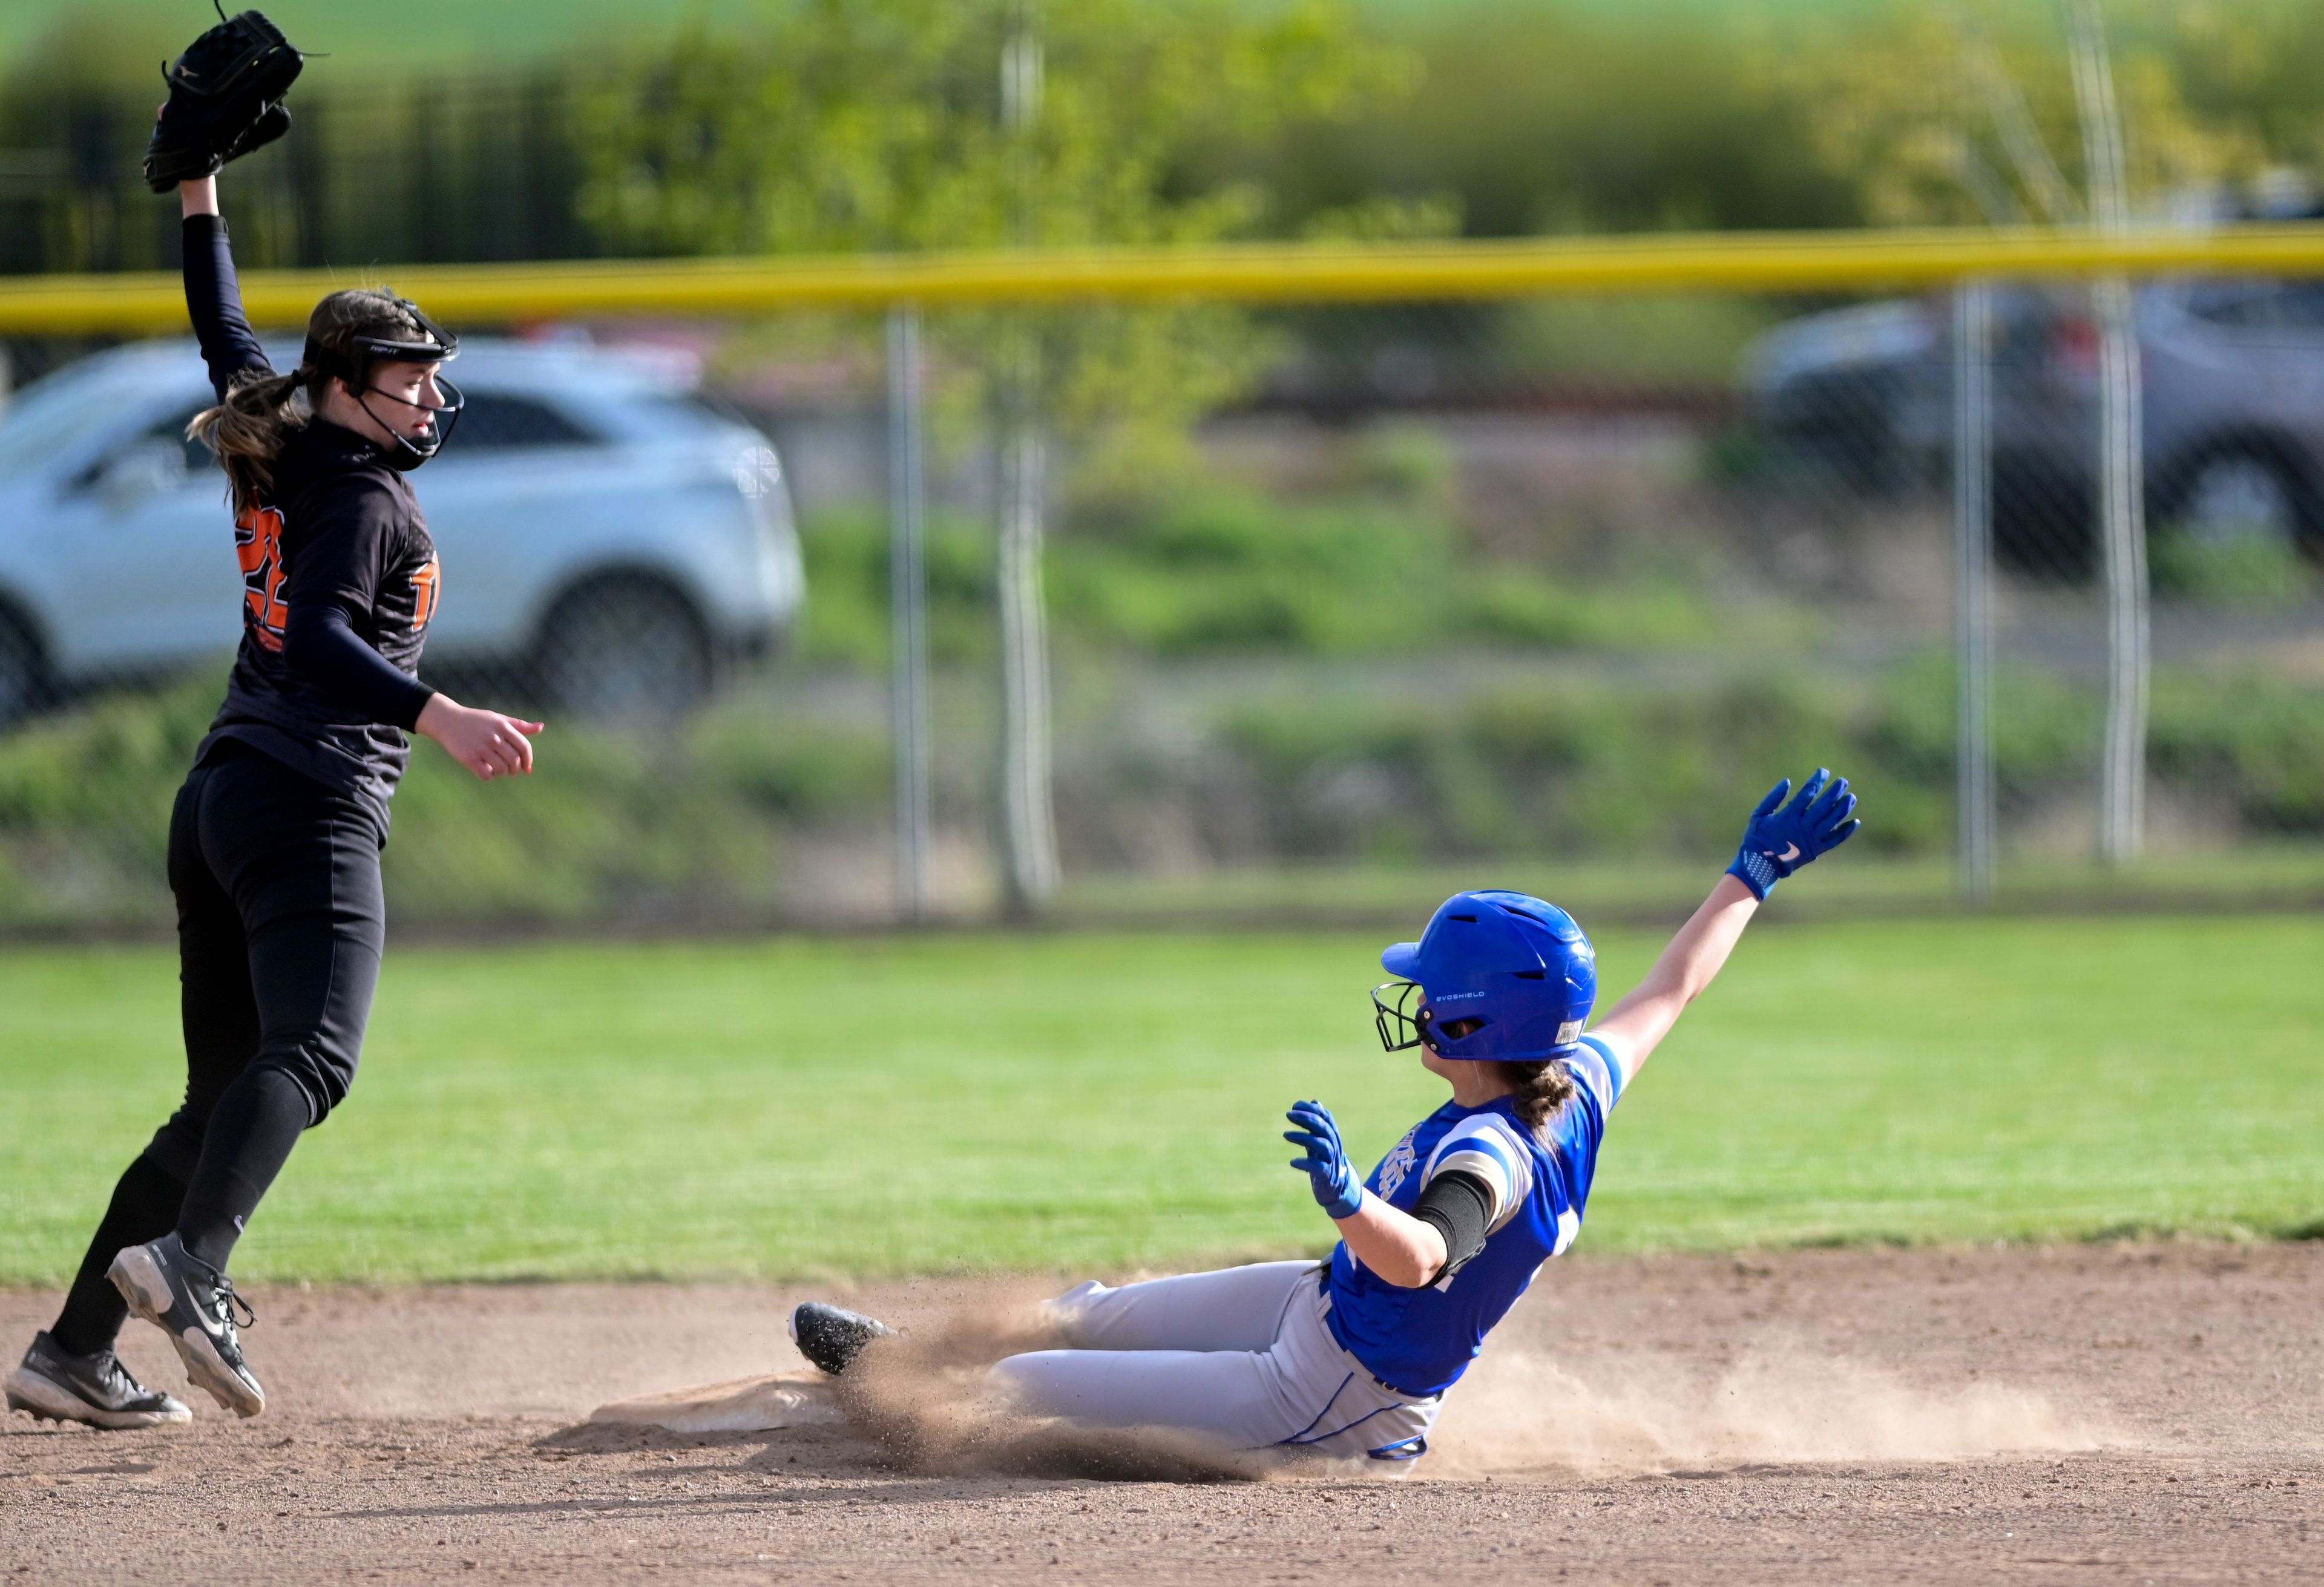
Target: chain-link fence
<point>461,166</point>
<point>1238,611</point>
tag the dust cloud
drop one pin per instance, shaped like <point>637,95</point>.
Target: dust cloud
<point>925,1398</point>
<point>1518,1411</point>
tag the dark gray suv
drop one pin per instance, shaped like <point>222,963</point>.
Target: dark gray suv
<point>2234,406</point>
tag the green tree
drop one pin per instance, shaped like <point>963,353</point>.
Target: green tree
<point>1964,112</point>
<point>846,125</point>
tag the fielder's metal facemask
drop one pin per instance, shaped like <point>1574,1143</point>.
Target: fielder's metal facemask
<point>438,346</point>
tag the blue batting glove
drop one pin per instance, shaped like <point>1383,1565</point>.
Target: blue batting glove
<point>1337,1190</point>
<point>1781,837</point>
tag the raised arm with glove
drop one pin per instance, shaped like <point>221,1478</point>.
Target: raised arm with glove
<point>1777,840</point>
<point>226,99</point>
<point>1781,838</point>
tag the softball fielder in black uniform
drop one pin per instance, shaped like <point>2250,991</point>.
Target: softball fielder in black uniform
<point>275,839</point>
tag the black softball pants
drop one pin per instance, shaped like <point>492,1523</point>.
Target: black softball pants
<point>280,922</point>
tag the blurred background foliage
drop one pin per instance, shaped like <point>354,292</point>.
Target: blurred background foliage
<point>841,126</point>
<point>794,126</point>
<point>799,124</point>
<point>787,126</point>
<point>1352,648</point>
<point>1577,763</point>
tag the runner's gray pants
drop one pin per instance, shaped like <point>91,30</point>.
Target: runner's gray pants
<point>1241,1355</point>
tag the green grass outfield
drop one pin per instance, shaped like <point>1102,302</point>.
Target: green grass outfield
<point>884,1106</point>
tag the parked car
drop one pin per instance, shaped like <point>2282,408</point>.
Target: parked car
<point>611,541</point>
<point>2233,403</point>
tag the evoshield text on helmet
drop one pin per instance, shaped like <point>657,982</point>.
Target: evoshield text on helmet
<point>1496,977</point>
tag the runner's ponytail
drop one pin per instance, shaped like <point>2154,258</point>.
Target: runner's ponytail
<point>1538,1090</point>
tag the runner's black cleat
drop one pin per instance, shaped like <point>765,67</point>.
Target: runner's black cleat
<point>195,1304</point>
<point>96,1389</point>
<point>830,1337</point>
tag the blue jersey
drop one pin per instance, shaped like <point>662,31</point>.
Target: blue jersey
<point>1418,1342</point>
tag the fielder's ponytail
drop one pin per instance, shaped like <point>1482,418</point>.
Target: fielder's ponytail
<point>1538,1090</point>
<point>246,432</point>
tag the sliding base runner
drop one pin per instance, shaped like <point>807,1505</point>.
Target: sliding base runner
<point>1353,1357</point>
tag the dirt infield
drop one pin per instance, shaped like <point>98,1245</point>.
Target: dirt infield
<point>2081,1415</point>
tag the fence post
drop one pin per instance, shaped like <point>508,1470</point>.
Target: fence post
<point>1028,821</point>
<point>907,610</point>
<point>1973,583</point>
<point>2122,806</point>
<point>2122,467</point>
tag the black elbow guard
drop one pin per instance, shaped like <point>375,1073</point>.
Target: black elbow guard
<point>1460,1207</point>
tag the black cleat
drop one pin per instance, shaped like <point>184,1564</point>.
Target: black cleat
<point>97,1389</point>
<point>194,1303</point>
<point>830,1337</point>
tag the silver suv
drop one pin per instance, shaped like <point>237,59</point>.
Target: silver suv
<point>611,541</point>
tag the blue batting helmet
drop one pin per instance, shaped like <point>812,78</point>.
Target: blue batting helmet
<point>1497,976</point>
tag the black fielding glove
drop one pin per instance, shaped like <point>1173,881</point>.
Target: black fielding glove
<point>226,99</point>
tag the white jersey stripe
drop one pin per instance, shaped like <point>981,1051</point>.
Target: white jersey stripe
<point>1602,1066</point>
<point>1492,1171</point>
<point>1485,1144</point>
<point>1568,1225</point>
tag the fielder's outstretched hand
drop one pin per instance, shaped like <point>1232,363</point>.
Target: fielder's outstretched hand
<point>487,742</point>
<point>1781,838</point>
<point>1337,1190</point>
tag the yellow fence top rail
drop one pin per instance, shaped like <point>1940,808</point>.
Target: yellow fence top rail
<point>1245,273</point>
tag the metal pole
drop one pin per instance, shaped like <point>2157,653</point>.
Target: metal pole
<point>2122,485</point>
<point>2122,806</point>
<point>1028,820</point>
<point>1029,817</point>
<point>1973,581</point>
<point>908,609</point>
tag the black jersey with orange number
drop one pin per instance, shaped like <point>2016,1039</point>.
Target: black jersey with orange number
<point>340,531</point>
<point>341,528</point>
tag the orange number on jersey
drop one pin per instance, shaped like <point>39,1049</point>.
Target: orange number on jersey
<point>258,546</point>
<point>426,585</point>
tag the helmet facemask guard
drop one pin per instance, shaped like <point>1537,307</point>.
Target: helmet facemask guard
<point>426,342</point>
<point>1497,976</point>
<point>1396,1016</point>
<point>1401,1015</point>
